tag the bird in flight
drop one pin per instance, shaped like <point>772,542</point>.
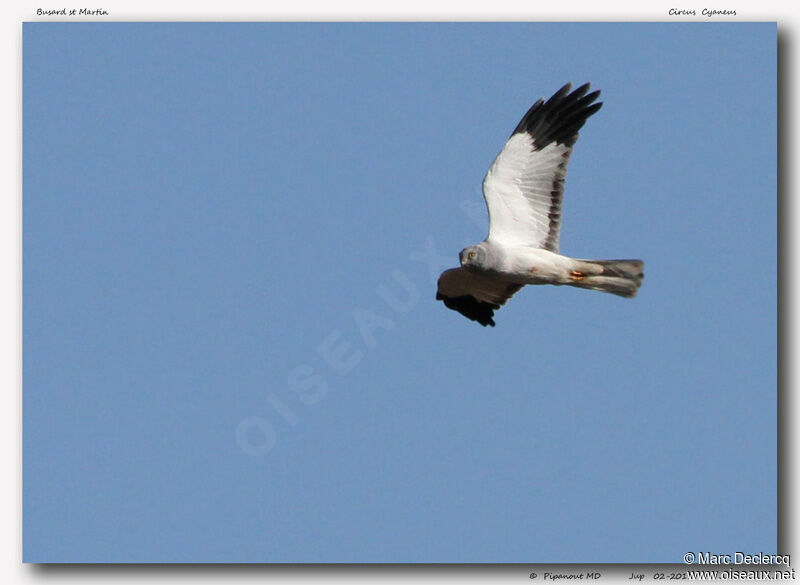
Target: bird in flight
<point>523,190</point>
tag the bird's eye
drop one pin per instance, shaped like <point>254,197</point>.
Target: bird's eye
<point>472,255</point>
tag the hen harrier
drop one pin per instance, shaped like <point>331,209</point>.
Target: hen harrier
<point>523,191</point>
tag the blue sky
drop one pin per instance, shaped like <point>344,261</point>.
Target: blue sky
<point>232,350</point>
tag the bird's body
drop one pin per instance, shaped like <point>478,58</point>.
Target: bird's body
<point>529,265</point>
<point>523,192</point>
<point>519,263</point>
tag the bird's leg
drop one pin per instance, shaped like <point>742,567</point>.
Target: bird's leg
<point>576,275</point>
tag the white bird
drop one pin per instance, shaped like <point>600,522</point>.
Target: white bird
<point>523,190</point>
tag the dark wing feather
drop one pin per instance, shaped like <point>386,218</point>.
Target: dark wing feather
<point>476,296</point>
<point>559,119</point>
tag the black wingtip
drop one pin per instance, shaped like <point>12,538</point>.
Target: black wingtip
<point>584,88</point>
<point>559,118</point>
<point>561,93</point>
<point>471,308</point>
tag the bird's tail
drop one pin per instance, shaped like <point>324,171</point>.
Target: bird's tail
<point>619,277</point>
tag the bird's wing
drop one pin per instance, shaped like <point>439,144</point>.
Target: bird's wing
<point>474,295</point>
<point>524,185</point>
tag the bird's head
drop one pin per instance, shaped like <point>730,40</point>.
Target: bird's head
<point>472,257</point>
